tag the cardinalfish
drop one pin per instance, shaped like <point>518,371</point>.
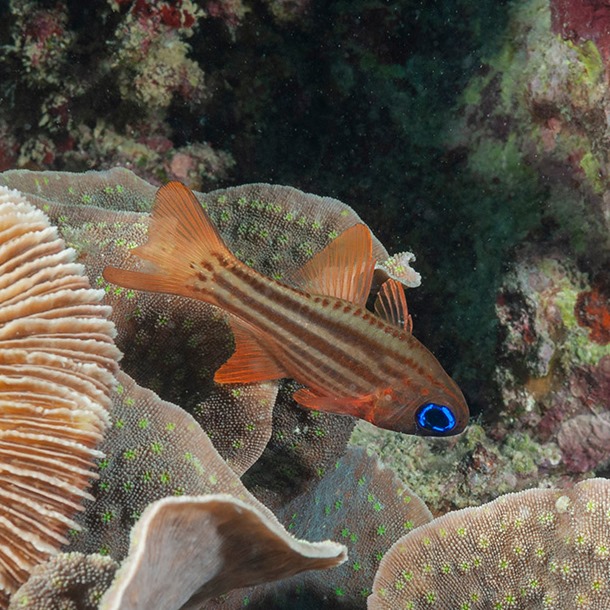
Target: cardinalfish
<point>314,329</point>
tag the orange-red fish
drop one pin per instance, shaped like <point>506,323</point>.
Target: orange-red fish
<point>351,361</point>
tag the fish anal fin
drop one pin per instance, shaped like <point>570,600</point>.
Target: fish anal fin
<point>359,407</point>
<point>250,362</point>
<point>391,305</point>
<point>344,269</point>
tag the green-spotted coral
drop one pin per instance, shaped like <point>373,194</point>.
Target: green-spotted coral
<point>537,549</point>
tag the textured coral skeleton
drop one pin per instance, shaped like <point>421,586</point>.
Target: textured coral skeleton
<point>57,361</point>
<point>539,548</point>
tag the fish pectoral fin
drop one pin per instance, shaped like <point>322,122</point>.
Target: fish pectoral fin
<point>344,269</point>
<point>391,305</point>
<point>250,362</point>
<point>341,406</point>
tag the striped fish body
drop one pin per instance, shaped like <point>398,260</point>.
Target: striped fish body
<point>350,360</point>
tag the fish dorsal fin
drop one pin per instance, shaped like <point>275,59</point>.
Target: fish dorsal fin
<point>391,305</point>
<point>344,269</point>
<point>250,362</point>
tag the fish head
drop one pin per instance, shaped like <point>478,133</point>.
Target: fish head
<point>438,411</point>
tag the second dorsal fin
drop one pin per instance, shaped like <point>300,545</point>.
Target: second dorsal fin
<point>391,305</point>
<point>344,269</point>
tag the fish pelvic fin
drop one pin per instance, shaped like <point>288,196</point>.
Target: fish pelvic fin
<point>344,269</point>
<point>183,246</point>
<point>251,361</point>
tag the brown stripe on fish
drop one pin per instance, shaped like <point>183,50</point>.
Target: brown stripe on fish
<point>302,352</point>
<point>338,328</point>
<point>318,348</point>
<point>351,378</point>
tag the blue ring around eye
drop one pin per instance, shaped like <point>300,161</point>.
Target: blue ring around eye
<point>436,418</point>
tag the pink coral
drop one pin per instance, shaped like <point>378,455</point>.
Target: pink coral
<point>581,20</point>
<point>585,442</point>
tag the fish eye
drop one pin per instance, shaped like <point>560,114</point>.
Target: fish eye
<point>436,418</point>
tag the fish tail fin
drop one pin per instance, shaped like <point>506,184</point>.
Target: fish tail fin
<point>183,248</point>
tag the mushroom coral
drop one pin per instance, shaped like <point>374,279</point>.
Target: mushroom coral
<point>57,365</point>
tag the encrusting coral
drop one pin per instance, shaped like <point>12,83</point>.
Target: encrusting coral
<point>359,503</point>
<point>539,548</point>
<point>57,365</point>
<point>205,546</point>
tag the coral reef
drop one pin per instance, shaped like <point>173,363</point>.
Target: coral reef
<point>293,460</point>
<point>99,83</point>
<point>554,375</point>
<point>489,158</point>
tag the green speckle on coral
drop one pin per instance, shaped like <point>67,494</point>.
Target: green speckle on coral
<point>107,517</point>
